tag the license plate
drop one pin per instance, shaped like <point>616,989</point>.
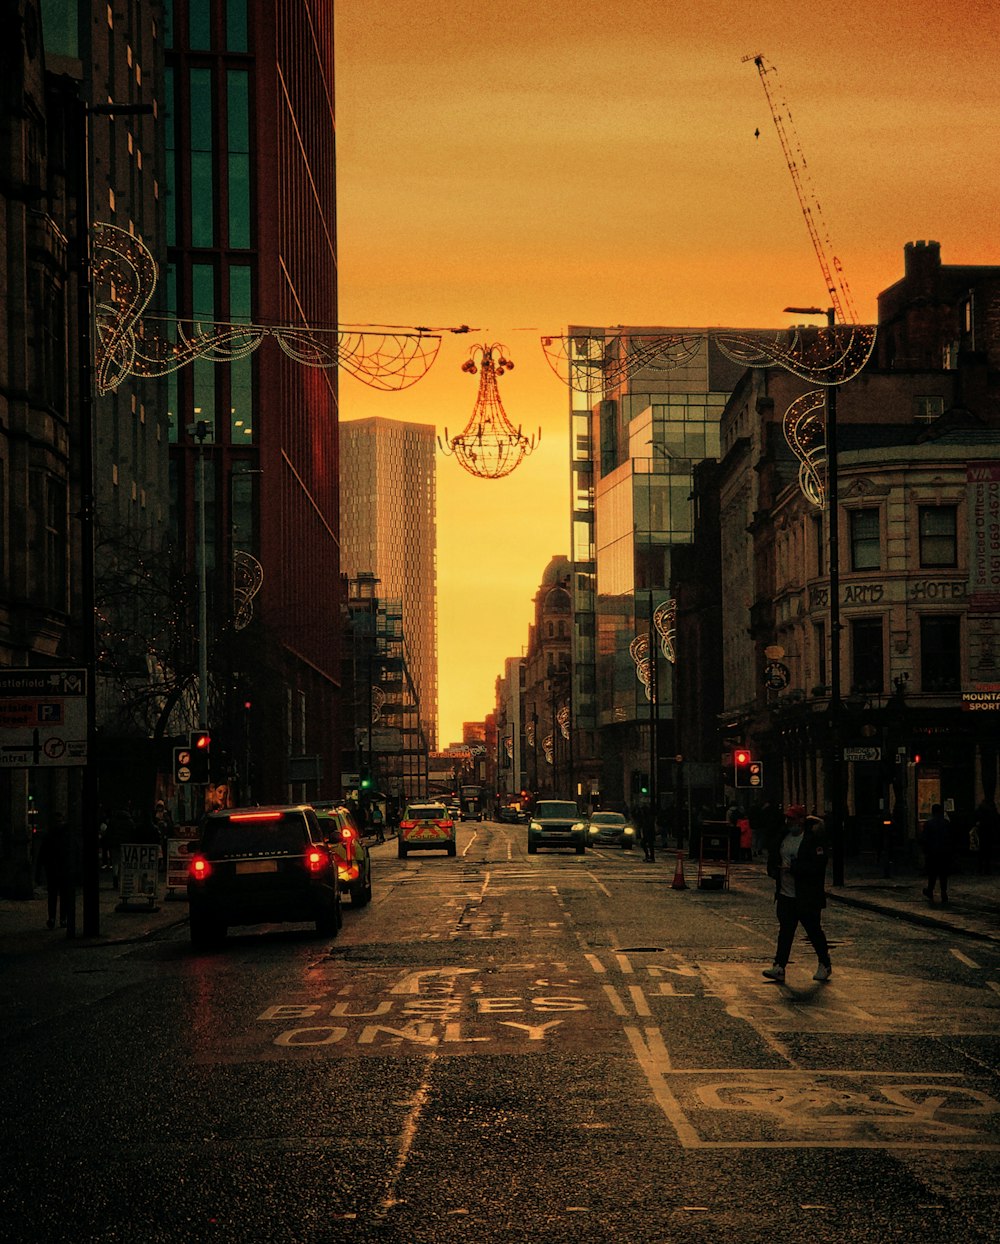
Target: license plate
<point>256,866</point>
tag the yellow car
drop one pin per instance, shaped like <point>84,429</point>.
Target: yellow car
<point>426,827</point>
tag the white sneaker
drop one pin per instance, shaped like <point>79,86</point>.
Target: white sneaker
<point>776,973</point>
<point>823,972</point>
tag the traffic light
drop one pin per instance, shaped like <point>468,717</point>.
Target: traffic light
<point>199,745</point>
<point>742,761</point>
<point>755,773</point>
<point>366,779</point>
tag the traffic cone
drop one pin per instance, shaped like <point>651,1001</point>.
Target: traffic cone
<point>678,882</point>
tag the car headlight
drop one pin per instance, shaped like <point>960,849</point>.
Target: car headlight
<point>535,826</point>
<point>628,831</point>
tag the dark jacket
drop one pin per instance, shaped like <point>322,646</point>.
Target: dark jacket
<point>936,838</point>
<point>808,867</point>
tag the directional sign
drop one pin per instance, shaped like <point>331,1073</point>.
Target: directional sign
<point>862,753</point>
<point>43,718</point>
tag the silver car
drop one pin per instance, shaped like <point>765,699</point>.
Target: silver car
<point>611,829</point>
<point>556,823</point>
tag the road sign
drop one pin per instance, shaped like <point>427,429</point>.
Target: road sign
<point>862,753</point>
<point>43,718</point>
<point>755,773</point>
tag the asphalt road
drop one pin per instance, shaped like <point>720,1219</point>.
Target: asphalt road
<point>506,1048</point>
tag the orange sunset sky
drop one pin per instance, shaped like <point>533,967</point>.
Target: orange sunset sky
<point>523,167</point>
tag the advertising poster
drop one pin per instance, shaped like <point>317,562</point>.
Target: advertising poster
<point>139,872</point>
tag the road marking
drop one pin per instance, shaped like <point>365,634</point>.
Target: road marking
<point>969,963</point>
<point>595,963</point>
<point>994,985</point>
<point>617,1005</point>
<point>468,845</point>
<point>408,1135</point>
<point>639,1000</point>
<point>624,964</point>
<point>600,885</point>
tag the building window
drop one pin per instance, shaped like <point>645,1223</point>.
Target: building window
<point>820,544</point>
<point>202,160</point>
<point>927,409</point>
<point>867,670</point>
<point>938,535</point>
<point>819,631</point>
<point>940,653</point>
<point>866,551</point>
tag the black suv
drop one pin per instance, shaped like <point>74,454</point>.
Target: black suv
<point>258,865</point>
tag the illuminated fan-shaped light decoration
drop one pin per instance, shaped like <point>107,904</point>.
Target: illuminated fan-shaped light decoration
<point>508,746</point>
<point>638,650</point>
<point>826,356</point>
<point>595,363</point>
<point>547,748</point>
<point>131,344</point>
<point>665,621</point>
<point>562,717</point>
<point>489,446</point>
<point>378,703</point>
<point>529,733</point>
<point>248,576</point>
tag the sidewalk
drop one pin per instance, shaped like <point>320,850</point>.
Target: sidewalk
<point>23,931</point>
<point>973,909</point>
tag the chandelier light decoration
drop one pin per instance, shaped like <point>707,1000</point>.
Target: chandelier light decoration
<point>130,343</point>
<point>489,446</point>
<point>248,577</point>
<point>665,622</point>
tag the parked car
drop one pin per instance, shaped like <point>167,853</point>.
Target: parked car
<point>426,826</point>
<point>258,865</point>
<point>556,823</point>
<point>354,861</point>
<point>611,829</point>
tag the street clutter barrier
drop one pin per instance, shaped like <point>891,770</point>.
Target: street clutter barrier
<point>179,852</point>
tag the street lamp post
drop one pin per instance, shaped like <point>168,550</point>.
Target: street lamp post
<point>90,876</point>
<point>833,536</point>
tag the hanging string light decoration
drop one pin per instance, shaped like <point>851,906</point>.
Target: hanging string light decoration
<point>489,446</point>
<point>130,343</point>
<point>378,703</point>
<point>638,650</point>
<point>562,717</point>
<point>594,363</point>
<point>804,426</point>
<point>826,356</point>
<point>248,578</point>
<point>665,622</point>
<point>547,748</point>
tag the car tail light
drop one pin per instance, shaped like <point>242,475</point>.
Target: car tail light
<point>199,868</point>
<point>347,833</point>
<point>445,824</point>
<point>407,824</point>
<point>316,860</point>
<point>255,816</point>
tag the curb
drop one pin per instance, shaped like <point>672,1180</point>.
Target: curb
<point>914,917</point>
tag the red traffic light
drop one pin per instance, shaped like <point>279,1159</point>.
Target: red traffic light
<point>201,740</point>
<point>741,756</point>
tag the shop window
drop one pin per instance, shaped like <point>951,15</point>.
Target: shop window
<point>938,535</point>
<point>940,653</point>
<point>866,549</point>
<point>867,659</point>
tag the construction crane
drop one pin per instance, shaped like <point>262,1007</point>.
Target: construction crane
<point>833,273</point>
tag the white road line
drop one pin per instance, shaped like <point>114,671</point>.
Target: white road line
<point>969,963</point>
<point>994,985</point>
<point>624,964</point>
<point>408,1135</point>
<point>600,885</point>
<point>639,1000</point>
<point>468,845</point>
<point>595,963</point>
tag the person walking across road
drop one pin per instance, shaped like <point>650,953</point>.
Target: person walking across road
<point>936,841</point>
<point>797,862</point>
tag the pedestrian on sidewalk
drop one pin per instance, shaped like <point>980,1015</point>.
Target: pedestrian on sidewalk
<point>55,861</point>
<point>937,844</point>
<point>797,862</point>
